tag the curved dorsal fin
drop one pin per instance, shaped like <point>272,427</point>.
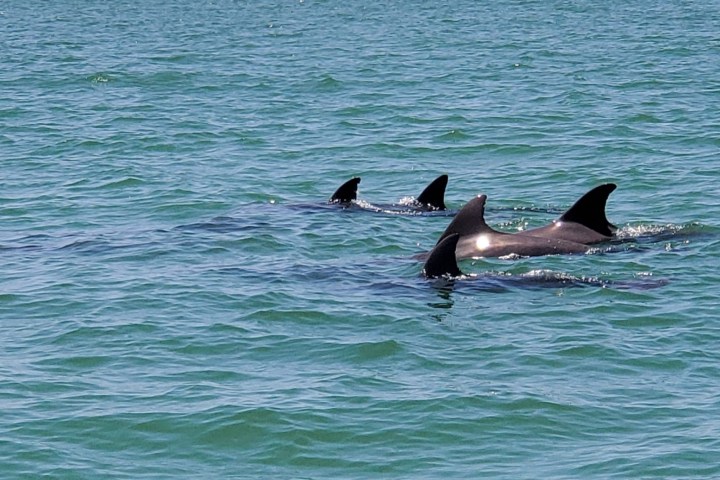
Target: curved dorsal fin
<point>589,210</point>
<point>470,220</point>
<point>434,194</point>
<point>442,261</point>
<point>347,192</point>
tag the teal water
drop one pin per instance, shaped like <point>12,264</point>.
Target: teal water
<point>176,301</point>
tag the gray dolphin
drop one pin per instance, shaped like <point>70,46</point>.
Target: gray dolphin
<point>584,222</point>
<point>477,239</point>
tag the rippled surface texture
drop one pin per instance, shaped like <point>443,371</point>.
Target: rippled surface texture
<point>177,301</point>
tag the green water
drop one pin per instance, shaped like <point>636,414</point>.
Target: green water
<point>177,301</point>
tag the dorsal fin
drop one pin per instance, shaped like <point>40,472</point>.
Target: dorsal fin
<point>470,220</point>
<point>589,210</point>
<point>347,192</point>
<point>434,194</point>
<point>442,261</point>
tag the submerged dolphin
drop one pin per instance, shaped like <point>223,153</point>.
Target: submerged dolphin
<point>477,239</point>
<point>584,222</point>
<point>432,198</point>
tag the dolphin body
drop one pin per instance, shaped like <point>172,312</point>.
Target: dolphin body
<point>585,222</point>
<point>432,198</point>
<point>477,239</point>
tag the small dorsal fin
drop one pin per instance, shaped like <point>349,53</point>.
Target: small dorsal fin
<point>470,220</point>
<point>442,261</point>
<point>589,210</point>
<point>434,194</point>
<point>347,192</point>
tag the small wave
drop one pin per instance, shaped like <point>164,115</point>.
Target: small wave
<point>329,83</point>
<point>540,278</point>
<point>223,224</point>
<point>13,248</point>
<point>122,183</point>
<point>368,351</point>
<point>643,118</point>
<point>169,77</point>
<point>100,78</point>
<point>184,208</point>
<point>495,281</point>
<point>453,135</point>
<point>86,245</point>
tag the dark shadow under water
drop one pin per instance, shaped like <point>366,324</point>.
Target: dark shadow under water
<point>363,273</point>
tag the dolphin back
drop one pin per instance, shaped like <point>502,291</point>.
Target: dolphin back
<point>589,210</point>
<point>470,220</point>
<point>433,197</point>
<point>347,192</point>
<point>442,261</point>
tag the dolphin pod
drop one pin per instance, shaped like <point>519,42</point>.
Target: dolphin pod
<point>469,236</point>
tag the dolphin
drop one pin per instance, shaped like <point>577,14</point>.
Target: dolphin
<point>478,239</point>
<point>432,198</point>
<point>585,222</point>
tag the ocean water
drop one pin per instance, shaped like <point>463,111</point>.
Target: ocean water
<point>177,300</point>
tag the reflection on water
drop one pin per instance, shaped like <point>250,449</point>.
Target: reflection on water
<point>444,289</point>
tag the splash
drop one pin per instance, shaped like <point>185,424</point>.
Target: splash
<point>668,234</point>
